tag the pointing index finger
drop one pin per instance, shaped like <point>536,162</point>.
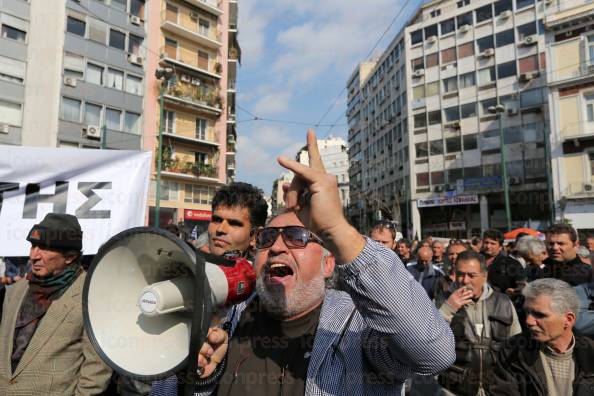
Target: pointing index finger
<point>315,160</point>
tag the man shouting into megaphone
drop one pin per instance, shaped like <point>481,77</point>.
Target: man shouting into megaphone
<point>295,336</point>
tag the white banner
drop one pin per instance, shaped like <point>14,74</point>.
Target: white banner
<point>105,189</point>
<point>448,201</point>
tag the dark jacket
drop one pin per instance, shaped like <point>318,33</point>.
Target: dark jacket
<point>505,273</point>
<point>430,277</point>
<point>519,370</point>
<point>574,272</point>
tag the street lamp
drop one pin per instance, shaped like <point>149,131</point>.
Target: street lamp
<point>499,109</point>
<point>164,74</point>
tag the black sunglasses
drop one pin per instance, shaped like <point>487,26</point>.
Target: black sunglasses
<point>293,236</point>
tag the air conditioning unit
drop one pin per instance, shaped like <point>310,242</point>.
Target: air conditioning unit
<point>530,40</point>
<point>524,77</point>
<point>92,132</point>
<point>185,78</point>
<point>515,180</point>
<point>431,39</point>
<point>512,111</point>
<point>135,59</point>
<point>489,52</point>
<point>464,28</point>
<point>588,187</point>
<point>135,20</point>
<point>438,188</point>
<point>70,81</point>
<point>194,15</point>
<point>505,14</point>
<point>419,73</point>
<point>4,128</point>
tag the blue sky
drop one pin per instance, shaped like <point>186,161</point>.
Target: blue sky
<point>296,58</point>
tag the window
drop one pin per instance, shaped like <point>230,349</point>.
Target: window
<point>419,92</point>
<point>10,113</point>
<point>463,3</point>
<point>468,110</point>
<point>526,30</point>
<point>528,64</point>
<point>169,118</point>
<point>507,69</point>
<point>201,128</point>
<point>13,33</point>
<point>432,89</point>
<point>117,39</point>
<point>470,142</point>
<point>466,80</point>
<point>70,109</point>
<point>134,85</point>
<point>171,13</point>
<point>448,26</point>
<point>421,150</point>
<point>450,84</point>
<point>434,117</point>
<point>169,190</point>
<point>453,145</point>
<point>465,50</point>
<point>464,19</point>
<point>113,119</point>
<point>486,75</point>
<point>115,78</point>
<point>203,27</point>
<point>132,122</point>
<point>436,147</point>
<point>74,65</point>
<point>94,74</point>
<point>92,114</point>
<point>119,5</point>
<point>484,13</point>
<point>422,179</point>
<point>201,158</point>
<point>523,3</point>
<point>435,13</point>
<point>432,60</point>
<point>97,31</point>
<point>504,38</point>
<point>437,177</point>
<point>430,31</point>
<point>135,44</point>
<point>485,43</point>
<point>417,64</point>
<point>171,48</point>
<point>12,70</point>
<point>203,60</point>
<point>448,55</point>
<point>75,26</point>
<point>137,8</point>
<point>532,97</point>
<point>503,5</point>
<point>454,175</point>
<point>420,120</point>
<point>416,37</point>
<point>452,114</point>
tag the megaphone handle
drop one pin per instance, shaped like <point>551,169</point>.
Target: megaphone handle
<point>201,315</point>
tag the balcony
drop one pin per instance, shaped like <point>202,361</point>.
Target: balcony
<point>231,85</point>
<point>234,54</point>
<point>210,6</point>
<point>230,148</point>
<point>211,138</point>
<point>210,38</point>
<point>231,118</point>
<point>188,170</point>
<point>583,190</point>
<point>563,11</point>
<point>190,61</point>
<point>192,96</point>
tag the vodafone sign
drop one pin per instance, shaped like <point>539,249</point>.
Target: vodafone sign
<point>190,214</point>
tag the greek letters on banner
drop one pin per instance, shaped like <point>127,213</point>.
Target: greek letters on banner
<point>105,189</point>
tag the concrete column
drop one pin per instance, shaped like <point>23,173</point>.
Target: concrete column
<point>484,205</point>
<point>416,219</point>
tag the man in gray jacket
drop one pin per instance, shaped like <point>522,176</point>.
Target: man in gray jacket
<point>297,337</point>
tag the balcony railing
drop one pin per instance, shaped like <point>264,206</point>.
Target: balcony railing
<point>190,168</point>
<point>196,95</point>
<point>231,84</point>
<point>194,31</point>
<point>233,53</point>
<point>560,9</point>
<point>579,190</point>
<point>209,137</point>
<point>190,60</point>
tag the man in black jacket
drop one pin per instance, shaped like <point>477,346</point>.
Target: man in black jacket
<point>563,262</point>
<point>505,273</point>
<point>549,360</point>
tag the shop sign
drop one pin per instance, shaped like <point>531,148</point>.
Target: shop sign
<point>448,201</point>
<point>457,225</point>
<point>190,214</point>
<point>482,183</point>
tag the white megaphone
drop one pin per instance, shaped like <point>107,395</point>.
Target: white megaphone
<point>148,300</point>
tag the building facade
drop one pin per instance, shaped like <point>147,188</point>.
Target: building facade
<point>428,126</point>
<point>570,68</point>
<point>196,41</point>
<point>75,80</point>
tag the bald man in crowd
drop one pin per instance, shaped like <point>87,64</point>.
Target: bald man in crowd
<point>424,271</point>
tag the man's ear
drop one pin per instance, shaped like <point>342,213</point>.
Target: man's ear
<point>329,264</point>
<point>70,259</point>
<point>570,319</point>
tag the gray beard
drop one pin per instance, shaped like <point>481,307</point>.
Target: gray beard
<point>303,296</point>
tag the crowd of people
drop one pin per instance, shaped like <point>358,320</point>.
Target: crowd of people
<point>443,317</point>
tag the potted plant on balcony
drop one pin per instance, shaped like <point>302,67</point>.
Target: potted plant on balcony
<point>218,68</point>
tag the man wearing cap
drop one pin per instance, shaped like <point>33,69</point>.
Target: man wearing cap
<point>43,346</point>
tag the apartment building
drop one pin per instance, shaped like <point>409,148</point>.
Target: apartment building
<point>459,60</point>
<point>570,68</point>
<point>75,78</point>
<point>197,41</point>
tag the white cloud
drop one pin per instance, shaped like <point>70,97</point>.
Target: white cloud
<point>273,102</point>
